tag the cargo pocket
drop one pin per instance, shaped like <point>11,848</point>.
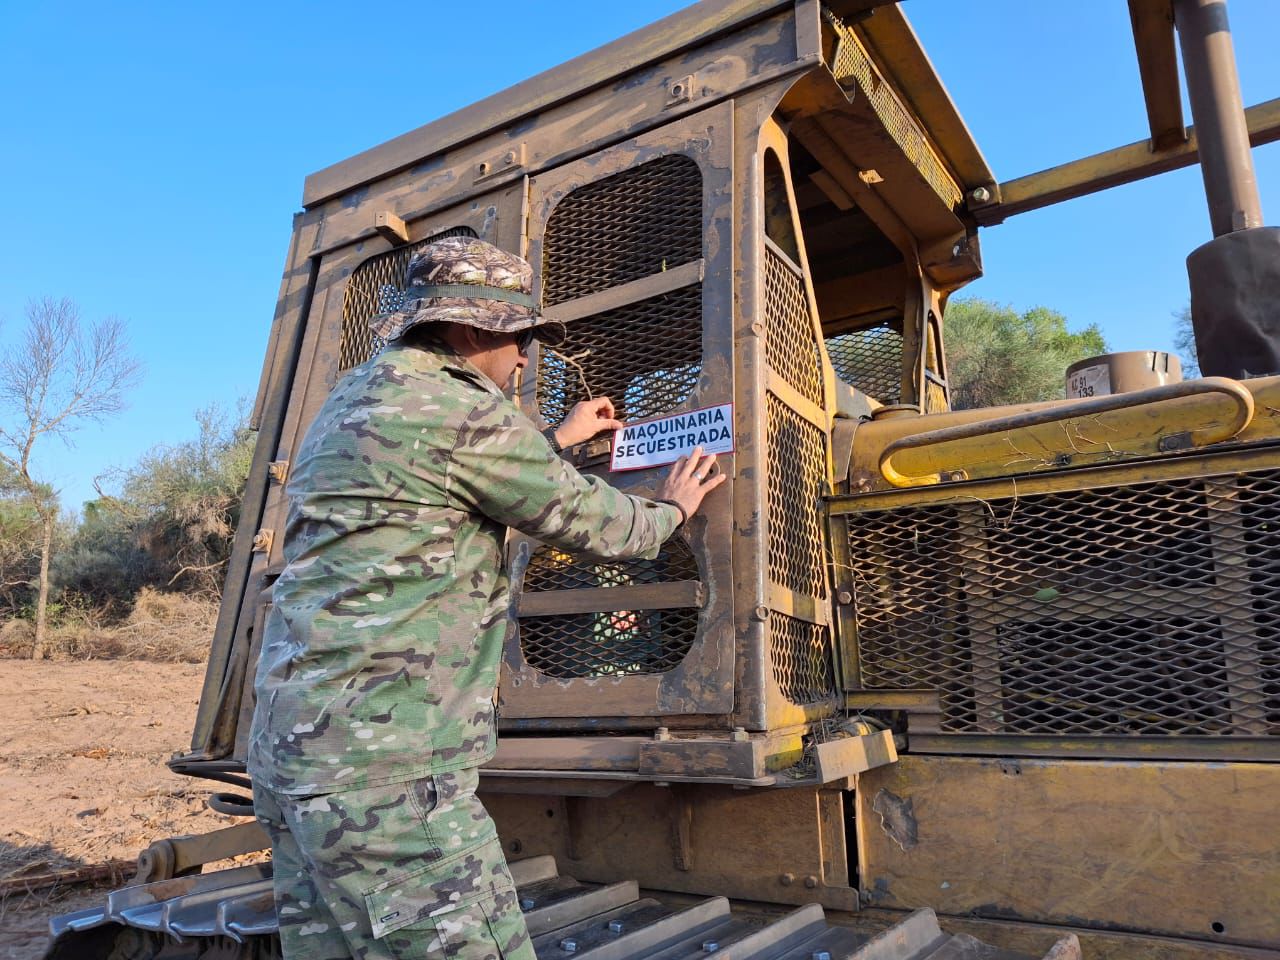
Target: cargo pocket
<point>454,908</point>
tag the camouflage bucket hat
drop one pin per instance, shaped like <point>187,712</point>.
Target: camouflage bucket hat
<point>466,280</point>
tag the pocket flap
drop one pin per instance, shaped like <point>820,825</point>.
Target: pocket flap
<point>434,891</point>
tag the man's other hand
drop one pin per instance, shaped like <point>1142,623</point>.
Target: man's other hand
<point>586,420</point>
<point>688,481</point>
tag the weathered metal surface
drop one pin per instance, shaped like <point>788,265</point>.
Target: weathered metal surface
<point>796,852</point>
<point>1034,939</point>
<point>1087,844</point>
<point>850,756</point>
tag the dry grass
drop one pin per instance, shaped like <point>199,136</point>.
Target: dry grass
<point>162,627</point>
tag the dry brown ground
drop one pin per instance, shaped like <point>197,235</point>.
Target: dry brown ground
<point>83,779</point>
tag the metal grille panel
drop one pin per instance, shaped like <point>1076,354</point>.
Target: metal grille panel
<point>853,69</point>
<point>615,643</point>
<point>870,360</point>
<point>796,480</point>
<point>790,345</point>
<point>633,224</point>
<point>646,357</point>
<point>619,643</point>
<point>377,286</point>
<point>1151,609</point>
<point>553,569</point>
<point>801,658</point>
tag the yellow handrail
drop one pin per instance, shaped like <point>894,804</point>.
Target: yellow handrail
<point>1085,408</point>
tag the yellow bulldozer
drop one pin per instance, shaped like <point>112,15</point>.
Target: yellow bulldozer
<point>918,682</point>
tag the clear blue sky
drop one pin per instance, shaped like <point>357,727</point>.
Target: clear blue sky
<point>154,154</point>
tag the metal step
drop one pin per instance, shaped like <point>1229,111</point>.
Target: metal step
<point>567,920</point>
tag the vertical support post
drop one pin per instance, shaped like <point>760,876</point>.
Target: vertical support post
<point>1235,277</point>
<point>1213,87</point>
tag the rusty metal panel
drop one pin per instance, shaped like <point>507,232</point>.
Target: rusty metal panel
<point>1178,849</point>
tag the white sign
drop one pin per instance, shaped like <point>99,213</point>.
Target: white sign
<point>652,443</point>
<point>1092,381</point>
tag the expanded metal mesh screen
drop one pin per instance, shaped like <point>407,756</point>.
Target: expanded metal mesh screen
<point>377,286</point>
<point>796,479</point>
<point>870,360</point>
<point>853,70</point>
<point>1151,609</point>
<point>616,642</point>
<point>619,643</point>
<point>801,658</point>
<point>633,224</point>
<point>789,344</point>
<point>552,569</point>
<point>796,467</point>
<point>645,356</point>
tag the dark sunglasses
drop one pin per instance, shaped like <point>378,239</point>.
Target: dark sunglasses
<point>524,339</point>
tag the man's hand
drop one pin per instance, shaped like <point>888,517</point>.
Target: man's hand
<point>688,481</point>
<point>586,420</point>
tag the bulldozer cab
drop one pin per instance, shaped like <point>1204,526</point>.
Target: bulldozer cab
<point>1018,665</point>
<point>771,233</point>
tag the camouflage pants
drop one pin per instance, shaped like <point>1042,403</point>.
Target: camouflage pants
<point>405,870</point>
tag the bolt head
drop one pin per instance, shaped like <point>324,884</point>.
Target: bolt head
<point>526,904</point>
<point>710,946</point>
<point>979,194</point>
<point>569,945</point>
<point>787,879</point>
<point>615,926</point>
<point>811,882</point>
<point>820,955</point>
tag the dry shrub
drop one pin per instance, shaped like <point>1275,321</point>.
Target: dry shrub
<point>17,637</point>
<point>168,627</point>
<point>163,627</point>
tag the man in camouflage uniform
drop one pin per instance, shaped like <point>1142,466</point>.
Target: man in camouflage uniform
<point>379,662</point>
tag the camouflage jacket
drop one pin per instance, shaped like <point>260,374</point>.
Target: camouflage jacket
<point>380,655</point>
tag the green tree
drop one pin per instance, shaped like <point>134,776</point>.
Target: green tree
<point>20,532</point>
<point>171,523</point>
<point>996,355</point>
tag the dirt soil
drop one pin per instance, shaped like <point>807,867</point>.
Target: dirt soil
<point>83,780</point>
